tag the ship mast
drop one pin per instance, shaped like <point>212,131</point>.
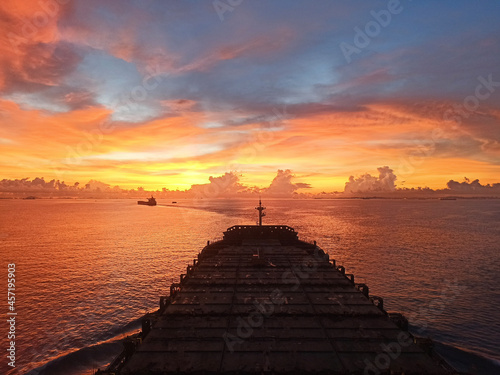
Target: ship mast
<point>261,212</point>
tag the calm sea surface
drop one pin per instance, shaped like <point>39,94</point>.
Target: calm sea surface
<point>86,271</point>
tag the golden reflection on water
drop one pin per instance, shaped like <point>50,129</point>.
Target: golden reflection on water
<point>88,268</point>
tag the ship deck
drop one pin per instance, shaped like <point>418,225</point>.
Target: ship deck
<point>273,306</point>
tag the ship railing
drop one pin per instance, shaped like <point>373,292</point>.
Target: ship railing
<point>264,227</point>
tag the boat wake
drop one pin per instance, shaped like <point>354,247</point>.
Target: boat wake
<point>87,360</point>
<point>466,361</point>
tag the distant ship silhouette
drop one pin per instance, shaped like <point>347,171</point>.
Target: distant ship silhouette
<point>150,202</point>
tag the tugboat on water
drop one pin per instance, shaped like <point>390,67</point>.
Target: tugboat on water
<point>150,202</point>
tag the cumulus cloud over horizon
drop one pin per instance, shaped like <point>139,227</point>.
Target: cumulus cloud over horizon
<point>225,185</point>
<point>228,185</point>
<point>282,184</point>
<point>475,186</point>
<point>368,183</point>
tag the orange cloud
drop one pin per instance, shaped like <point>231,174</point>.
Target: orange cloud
<point>179,151</point>
<point>30,55</point>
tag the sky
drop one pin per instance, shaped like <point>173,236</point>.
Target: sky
<point>173,93</point>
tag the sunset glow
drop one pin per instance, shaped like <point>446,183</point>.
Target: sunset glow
<point>167,94</point>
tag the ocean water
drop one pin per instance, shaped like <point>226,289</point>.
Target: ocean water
<point>88,270</point>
